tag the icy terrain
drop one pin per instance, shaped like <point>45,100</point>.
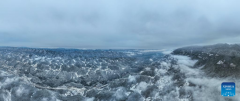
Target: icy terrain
<point>28,74</point>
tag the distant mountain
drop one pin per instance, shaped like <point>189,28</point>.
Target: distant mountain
<point>220,60</point>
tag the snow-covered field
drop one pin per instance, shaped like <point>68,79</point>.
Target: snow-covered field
<point>104,75</point>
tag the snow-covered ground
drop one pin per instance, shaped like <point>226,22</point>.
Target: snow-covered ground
<point>104,75</point>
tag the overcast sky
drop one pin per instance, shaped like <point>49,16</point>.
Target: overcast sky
<point>130,24</point>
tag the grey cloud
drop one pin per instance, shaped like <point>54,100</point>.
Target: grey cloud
<point>131,24</point>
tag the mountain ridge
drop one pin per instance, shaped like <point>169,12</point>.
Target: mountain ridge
<point>219,60</point>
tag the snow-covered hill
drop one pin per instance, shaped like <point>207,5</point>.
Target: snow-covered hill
<point>29,74</point>
<point>220,60</point>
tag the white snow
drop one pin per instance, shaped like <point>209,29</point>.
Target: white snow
<point>131,78</point>
<point>220,62</point>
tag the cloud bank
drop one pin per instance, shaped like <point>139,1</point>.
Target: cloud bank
<point>130,24</point>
